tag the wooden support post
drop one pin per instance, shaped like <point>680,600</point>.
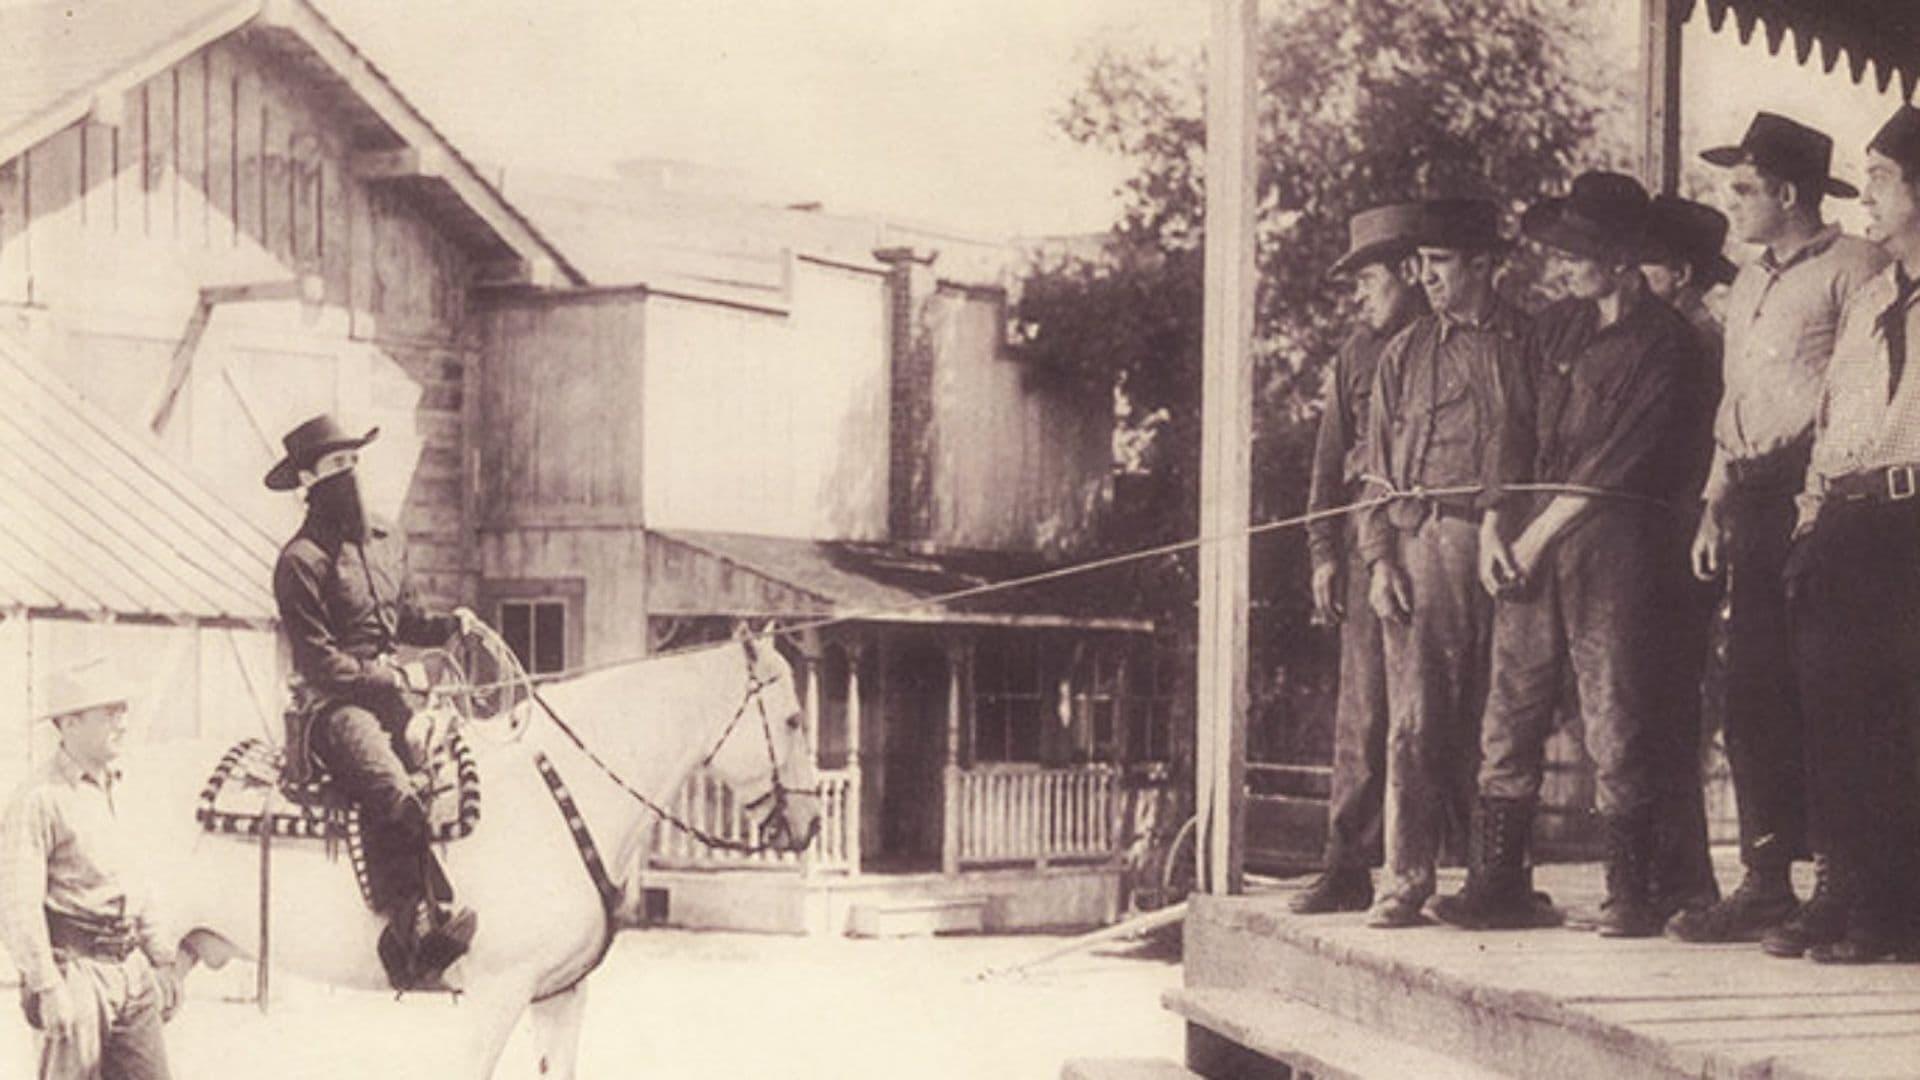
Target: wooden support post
<point>856,652</point>
<point>1660,95</point>
<point>1226,445</point>
<point>810,643</point>
<point>957,656</point>
<point>263,968</point>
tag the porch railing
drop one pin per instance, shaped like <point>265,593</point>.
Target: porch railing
<point>706,804</point>
<point>1021,813</point>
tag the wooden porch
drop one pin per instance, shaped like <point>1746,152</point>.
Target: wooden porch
<point>1268,991</point>
<point>927,823</point>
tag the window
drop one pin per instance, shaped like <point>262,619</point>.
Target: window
<point>1153,685</point>
<point>536,631</point>
<point>539,619</point>
<point>1013,699</point>
<point>1099,692</point>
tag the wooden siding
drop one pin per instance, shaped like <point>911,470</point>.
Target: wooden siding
<point>771,424</point>
<point>611,562</point>
<point>1020,462</point>
<point>229,171</point>
<point>562,409</point>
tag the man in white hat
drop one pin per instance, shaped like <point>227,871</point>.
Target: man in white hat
<point>97,974</point>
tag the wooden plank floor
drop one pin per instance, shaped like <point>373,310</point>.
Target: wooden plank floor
<point>1676,1009</point>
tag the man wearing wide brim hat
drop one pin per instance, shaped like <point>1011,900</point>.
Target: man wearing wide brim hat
<point>1782,312</point>
<point>1854,582</point>
<point>307,444</point>
<point>1378,264</point>
<point>1615,396</point>
<point>1438,397</point>
<point>1685,256</point>
<point>97,972</point>
<point>346,604</point>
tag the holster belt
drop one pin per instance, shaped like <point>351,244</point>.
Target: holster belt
<point>100,939</point>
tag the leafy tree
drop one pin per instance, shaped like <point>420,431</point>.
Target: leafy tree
<point>1362,102</point>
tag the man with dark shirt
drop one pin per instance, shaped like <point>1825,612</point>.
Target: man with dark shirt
<point>1378,262</point>
<point>345,603</point>
<point>1684,258</point>
<point>1612,410</point>
<point>1436,406</point>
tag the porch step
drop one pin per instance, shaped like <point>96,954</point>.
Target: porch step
<point>1127,1069</point>
<point>907,918</point>
<point>1291,1037</point>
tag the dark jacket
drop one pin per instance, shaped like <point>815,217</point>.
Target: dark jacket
<point>345,605</point>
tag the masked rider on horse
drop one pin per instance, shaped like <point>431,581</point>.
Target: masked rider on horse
<point>345,603</point>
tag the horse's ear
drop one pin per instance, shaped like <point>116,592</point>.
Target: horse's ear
<point>743,636</point>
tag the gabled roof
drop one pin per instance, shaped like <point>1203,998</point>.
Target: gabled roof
<point>96,521</point>
<point>1882,34</point>
<point>64,56</point>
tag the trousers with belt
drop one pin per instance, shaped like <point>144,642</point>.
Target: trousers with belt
<point>1765,733</point>
<point>1856,622</point>
<point>360,742</point>
<point>1359,727</point>
<point>1436,686</point>
<point>1592,607</point>
<point>117,1031</point>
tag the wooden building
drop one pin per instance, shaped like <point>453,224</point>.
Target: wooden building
<point>782,415</point>
<point>217,219</point>
<point>612,423</point>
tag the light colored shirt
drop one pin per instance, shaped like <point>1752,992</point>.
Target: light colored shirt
<point>63,848</point>
<point>1782,314</point>
<point>1858,427</point>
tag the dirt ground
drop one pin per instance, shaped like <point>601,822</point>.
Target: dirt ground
<point>680,1005</point>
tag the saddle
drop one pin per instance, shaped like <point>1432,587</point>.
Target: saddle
<point>306,805</point>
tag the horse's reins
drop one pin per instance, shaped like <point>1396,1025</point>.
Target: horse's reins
<point>773,829</point>
<point>778,792</point>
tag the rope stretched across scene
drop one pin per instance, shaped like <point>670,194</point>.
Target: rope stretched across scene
<point>1106,562</point>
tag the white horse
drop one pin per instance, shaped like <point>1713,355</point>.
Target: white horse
<point>542,922</point>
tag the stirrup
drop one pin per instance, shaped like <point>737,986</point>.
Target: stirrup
<point>417,949</point>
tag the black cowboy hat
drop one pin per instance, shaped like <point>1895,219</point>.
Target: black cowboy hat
<point>1899,138</point>
<point>306,443</point>
<point>1690,232</point>
<point>1604,216</point>
<point>1787,149</point>
<point>1377,235</point>
<point>1460,225</point>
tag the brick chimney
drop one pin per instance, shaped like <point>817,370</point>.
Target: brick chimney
<point>910,434</point>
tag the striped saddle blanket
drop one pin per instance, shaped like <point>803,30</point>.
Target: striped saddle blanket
<point>236,797</point>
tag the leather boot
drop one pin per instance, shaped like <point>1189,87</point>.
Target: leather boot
<point>1340,888</point>
<point>1764,899</point>
<point>1628,910</point>
<point>1499,891</point>
<point>1822,920</point>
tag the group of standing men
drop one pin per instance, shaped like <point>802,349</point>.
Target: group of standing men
<point>1552,506</point>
